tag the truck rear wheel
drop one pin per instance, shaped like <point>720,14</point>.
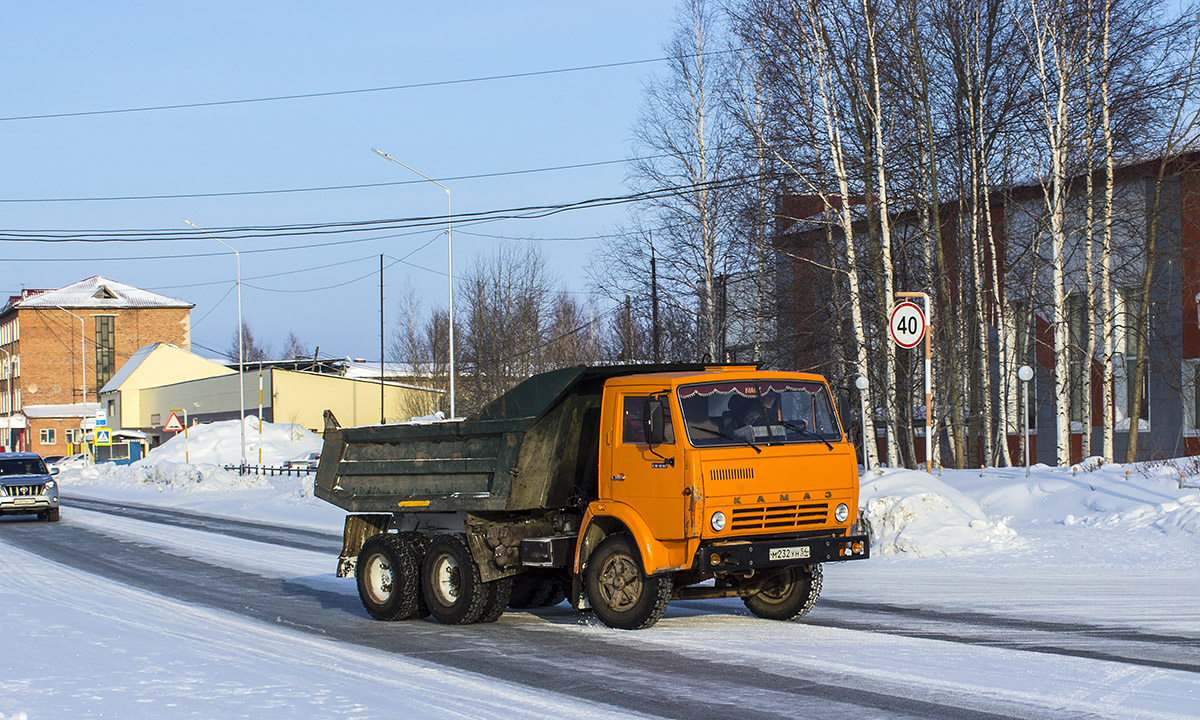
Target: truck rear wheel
<point>450,580</point>
<point>789,596</point>
<point>499,592</point>
<point>533,591</point>
<point>620,592</point>
<point>388,577</point>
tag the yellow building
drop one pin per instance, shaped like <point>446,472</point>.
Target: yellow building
<point>164,380</point>
<point>151,366</point>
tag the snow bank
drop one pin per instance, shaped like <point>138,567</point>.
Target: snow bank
<point>914,512</point>
<point>202,483</point>
<point>964,512</point>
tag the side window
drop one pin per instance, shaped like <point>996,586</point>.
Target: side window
<point>632,429</point>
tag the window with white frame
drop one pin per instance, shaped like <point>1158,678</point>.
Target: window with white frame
<point>1190,382</point>
<point>47,436</point>
<point>1124,358</point>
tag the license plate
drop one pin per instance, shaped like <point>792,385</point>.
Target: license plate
<point>26,501</point>
<point>788,553</point>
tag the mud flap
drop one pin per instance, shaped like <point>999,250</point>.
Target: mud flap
<point>358,529</point>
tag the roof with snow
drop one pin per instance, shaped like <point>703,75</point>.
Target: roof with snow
<point>72,410</point>
<point>97,292</point>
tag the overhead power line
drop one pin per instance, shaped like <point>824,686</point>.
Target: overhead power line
<point>338,93</point>
<point>354,226</point>
<point>322,188</point>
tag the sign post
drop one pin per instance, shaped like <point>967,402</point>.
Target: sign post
<point>174,424</point>
<point>909,325</point>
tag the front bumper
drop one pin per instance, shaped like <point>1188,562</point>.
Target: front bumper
<point>27,499</point>
<point>735,556</point>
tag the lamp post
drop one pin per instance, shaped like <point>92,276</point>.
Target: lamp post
<point>241,349</point>
<point>1025,374</point>
<point>449,263</point>
<point>861,383</point>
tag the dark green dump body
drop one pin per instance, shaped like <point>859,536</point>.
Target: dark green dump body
<point>535,447</point>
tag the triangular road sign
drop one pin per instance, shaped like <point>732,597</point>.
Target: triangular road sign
<point>173,424</point>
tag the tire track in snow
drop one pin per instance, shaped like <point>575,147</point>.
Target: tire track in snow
<point>638,678</point>
<point>1096,642</point>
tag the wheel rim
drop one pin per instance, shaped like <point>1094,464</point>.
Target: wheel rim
<point>620,582</point>
<point>780,589</point>
<point>446,579</point>
<point>379,579</point>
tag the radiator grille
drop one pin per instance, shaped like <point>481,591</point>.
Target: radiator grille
<point>776,517</point>
<point>24,490</point>
<point>732,474</point>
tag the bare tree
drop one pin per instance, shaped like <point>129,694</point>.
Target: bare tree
<point>251,350</point>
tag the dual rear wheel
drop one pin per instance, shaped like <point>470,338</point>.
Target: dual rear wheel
<point>403,576</point>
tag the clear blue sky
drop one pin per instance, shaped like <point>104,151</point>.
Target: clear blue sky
<point>84,56</point>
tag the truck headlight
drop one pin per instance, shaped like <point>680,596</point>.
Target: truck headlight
<point>841,513</point>
<point>718,521</point>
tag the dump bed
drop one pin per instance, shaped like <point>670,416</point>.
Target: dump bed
<point>535,447</point>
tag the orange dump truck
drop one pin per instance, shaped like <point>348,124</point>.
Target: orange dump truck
<point>619,488</point>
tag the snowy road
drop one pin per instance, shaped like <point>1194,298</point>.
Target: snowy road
<point>851,658</point>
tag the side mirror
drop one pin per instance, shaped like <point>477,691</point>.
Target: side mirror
<point>653,420</point>
<point>54,470</point>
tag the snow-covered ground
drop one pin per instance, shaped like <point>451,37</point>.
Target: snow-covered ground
<point>1114,546</point>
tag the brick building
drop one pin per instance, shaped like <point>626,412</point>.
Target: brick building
<point>1169,412</point>
<point>59,347</point>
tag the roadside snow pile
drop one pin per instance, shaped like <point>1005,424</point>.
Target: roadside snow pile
<point>1135,496</point>
<point>964,513</point>
<point>914,512</point>
<point>220,443</point>
<point>209,447</point>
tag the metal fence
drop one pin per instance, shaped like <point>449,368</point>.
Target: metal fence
<point>270,471</point>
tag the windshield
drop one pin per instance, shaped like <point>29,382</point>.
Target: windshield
<point>22,466</point>
<point>762,412</point>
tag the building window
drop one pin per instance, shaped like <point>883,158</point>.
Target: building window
<point>73,435</point>
<point>1125,358</point>
<point>48,436</point>
<point>106,357</point>
<point>1076,351</point>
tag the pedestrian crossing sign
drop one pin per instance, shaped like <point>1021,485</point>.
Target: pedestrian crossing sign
<point>103,436</point>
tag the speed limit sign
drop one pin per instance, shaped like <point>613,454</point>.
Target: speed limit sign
<point>907,325</point>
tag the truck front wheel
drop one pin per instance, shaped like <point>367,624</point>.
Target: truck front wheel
<point>454,593</point>
<point>788,596</point>
<point>388,575</point>
<point>620,592</point>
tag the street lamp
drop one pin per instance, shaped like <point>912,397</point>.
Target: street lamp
<point>1025,373</point>
<point>449,263</point>
<point>861,383</point>
<point>241,350</point>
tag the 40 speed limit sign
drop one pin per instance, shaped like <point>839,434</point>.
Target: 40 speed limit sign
<point>907,325</point>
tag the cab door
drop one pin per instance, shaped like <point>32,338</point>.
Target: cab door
<point>650,481</point>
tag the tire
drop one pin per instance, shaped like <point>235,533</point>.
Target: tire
<point>620,592</point>
<point>533,591</point>
<point>420,545</point>
<point>790,596</point>
<point>554,596</point>
<point>388,577</point>
<point>450,581</point>
<point>499,592</point>
<point>50,515</point>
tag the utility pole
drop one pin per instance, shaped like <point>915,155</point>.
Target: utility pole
<point>654,299</point>
<point>381,412</point>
